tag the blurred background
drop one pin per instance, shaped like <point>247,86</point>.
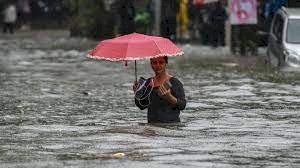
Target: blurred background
<point>191,21</point>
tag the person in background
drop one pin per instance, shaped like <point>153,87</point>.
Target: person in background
<point>167,97</point>
<point>169,10</point>
<point>127,15</point>
<point>150,9</point>
<point>24,13</point>
<point>183,20</point>
<point>218,17</point>
<point>9,18</point>
<point>205,26</point>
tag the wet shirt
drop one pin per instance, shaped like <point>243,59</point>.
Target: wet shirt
<point>159,109</point>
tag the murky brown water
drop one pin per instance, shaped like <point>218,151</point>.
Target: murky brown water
<point>60,109</point>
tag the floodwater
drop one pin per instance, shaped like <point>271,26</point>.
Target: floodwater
<point>61,109</point>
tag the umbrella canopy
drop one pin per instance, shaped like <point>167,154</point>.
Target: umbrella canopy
<point>202,2</point>
<point>134,46</point>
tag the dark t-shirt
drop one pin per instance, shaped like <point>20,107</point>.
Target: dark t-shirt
<point>159,109</point>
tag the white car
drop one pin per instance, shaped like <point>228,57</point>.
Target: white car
<point>284,38</point>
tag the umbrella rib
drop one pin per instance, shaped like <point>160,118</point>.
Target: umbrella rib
<point>166,54</point>
<point>126,51</point>
<point>157,46</point>
<point>126,55</point>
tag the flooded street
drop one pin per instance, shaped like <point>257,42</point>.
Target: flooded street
<point>61,109</point>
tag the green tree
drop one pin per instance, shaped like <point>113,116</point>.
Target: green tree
<point>89,18</point>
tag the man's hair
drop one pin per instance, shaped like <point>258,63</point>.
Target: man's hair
<point>166,59</point>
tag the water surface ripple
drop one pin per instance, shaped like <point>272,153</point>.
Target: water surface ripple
<point>60,109</point>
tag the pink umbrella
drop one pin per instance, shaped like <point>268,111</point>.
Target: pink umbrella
<point>202,2</point>
<point>134,46</point>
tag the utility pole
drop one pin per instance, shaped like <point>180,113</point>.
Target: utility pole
<point>157,11</point>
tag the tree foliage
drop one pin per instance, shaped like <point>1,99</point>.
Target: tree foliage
<point>89,18</point>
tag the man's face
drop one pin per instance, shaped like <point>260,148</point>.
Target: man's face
<point>158,65</point>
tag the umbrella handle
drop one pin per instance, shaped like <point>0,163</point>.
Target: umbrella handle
<point>135,70</point>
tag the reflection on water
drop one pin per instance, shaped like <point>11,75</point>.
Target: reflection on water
<point>60,109</point>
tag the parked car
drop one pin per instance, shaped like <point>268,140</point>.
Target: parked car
<point>284,39</point>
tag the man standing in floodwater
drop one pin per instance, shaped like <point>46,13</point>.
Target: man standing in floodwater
<point>166,99</point>
<point>9,18</point>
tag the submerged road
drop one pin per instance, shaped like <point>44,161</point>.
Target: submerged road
<point>61,109</point>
